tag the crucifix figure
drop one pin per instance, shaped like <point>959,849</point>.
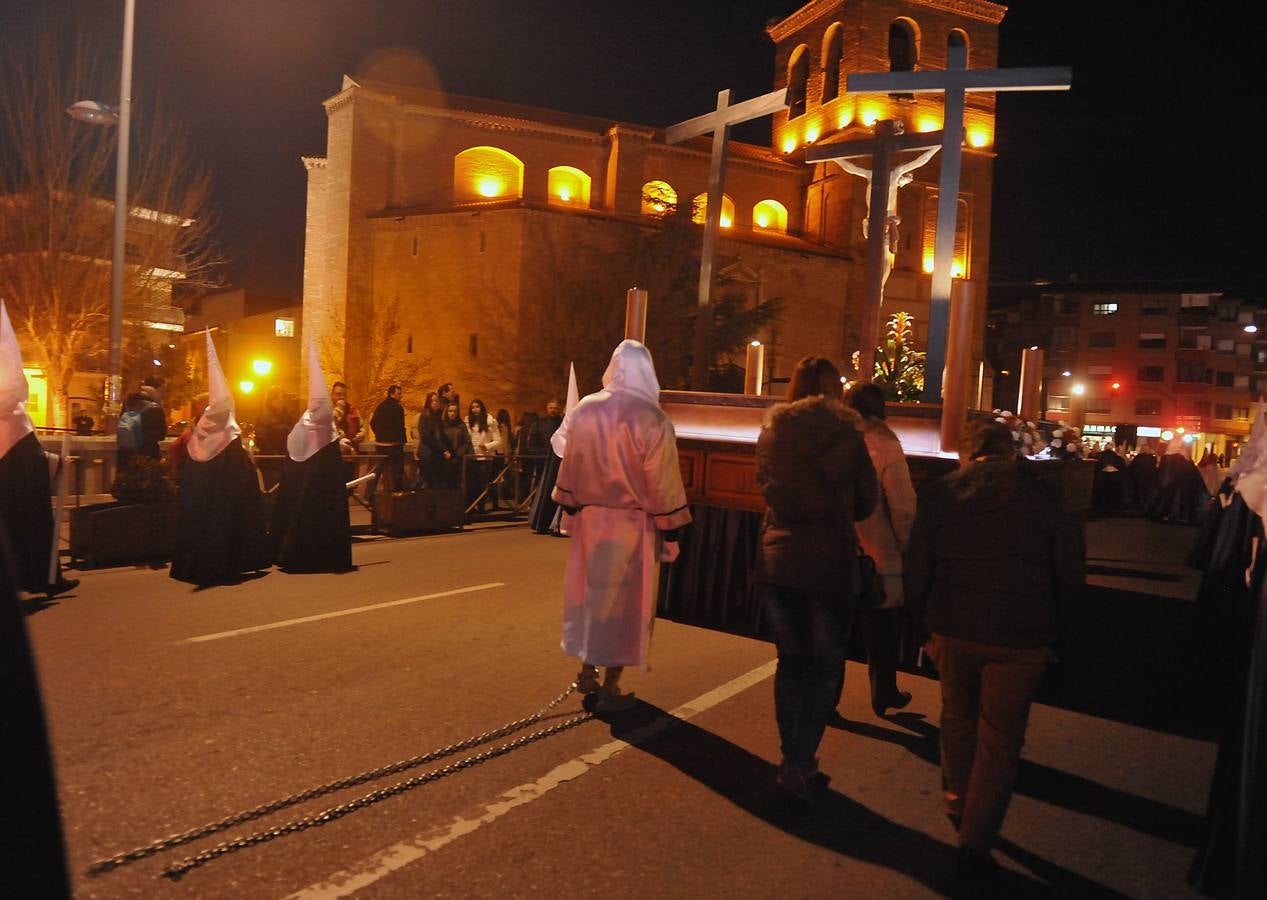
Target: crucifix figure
<point>880,225</point>
<point>955,81</point>
<point>718,123</point>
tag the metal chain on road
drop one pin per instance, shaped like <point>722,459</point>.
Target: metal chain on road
<point>179,869</point>
<point>121,859</point>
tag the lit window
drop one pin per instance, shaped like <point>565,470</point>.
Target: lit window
<point>770,215</point>
<point>283,328</point>
<point>568,186</point>
<point>487,173</point>
<point>658,198</point>
<point>700,210</point>
<point>1103,309</point>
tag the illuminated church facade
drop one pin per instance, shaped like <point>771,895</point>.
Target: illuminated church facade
<point>461,215</point>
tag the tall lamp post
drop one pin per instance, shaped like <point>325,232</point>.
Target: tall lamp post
<point>100,114</point>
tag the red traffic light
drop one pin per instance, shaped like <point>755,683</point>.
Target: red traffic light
<point>1117,385</point>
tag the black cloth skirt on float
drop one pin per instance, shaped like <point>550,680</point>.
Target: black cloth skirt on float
<point>220,534</point>
<point>311,528</point>
<point>27,512</point>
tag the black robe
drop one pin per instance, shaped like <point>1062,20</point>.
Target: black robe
<point>220,533</point>
<point>311,528</point>
<point>1231,658</point>
<point>1180,495</point>
<point>32,853</point>
<point>26,510</point>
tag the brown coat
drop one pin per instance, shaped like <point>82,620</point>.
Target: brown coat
<point>817,479</point>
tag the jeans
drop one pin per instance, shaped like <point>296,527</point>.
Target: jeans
<point>986,692</point>
<point>811,630</point>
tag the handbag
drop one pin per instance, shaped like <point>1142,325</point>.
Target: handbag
<point>871,585</point>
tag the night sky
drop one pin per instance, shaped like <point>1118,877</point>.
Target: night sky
<point>1143,172</point>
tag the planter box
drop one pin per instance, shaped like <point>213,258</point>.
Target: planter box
<point>111,534</point>
<point>410,513</point>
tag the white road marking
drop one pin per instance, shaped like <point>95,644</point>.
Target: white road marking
<point>339,612</point>
<point>371,869</point>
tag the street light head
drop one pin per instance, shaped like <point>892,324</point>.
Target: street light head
<point>1079,390</point>
<point>93,112</point>
<point>1251,329</point>
<point>1066,374</point>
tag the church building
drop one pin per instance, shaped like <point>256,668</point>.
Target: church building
<point>454,232</point>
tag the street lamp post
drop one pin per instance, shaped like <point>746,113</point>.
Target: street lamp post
<point>97,114</point>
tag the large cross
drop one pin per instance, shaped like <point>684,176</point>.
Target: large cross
<point>955,81</point>
<point>718,123</point>
<point>884,178</point>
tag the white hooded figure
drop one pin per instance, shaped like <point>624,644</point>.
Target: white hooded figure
<point>311,527</point>
<point>621,480</point>
<point>220,533</point>
<point>218,425</point>
<point>15,424</point>
<point>26,516</point>
<point>1250,468</point>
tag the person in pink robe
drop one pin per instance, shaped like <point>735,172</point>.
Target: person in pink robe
<point>620,482</point>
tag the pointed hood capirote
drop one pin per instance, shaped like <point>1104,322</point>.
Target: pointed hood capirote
<point>15,424</point>
<point>559,440</point>
<point>315,428</point>
<point>218,425</point>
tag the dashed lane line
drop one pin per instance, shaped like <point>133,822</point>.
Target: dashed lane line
<point>383,863</point>
<point>286,623</point>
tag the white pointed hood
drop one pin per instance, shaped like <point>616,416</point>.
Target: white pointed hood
<point>559,440</point>
<point>15,424</point>
<point>218,425</point>
<point>1250,468</point>
<point>631,369</point>
<point>315,427</point>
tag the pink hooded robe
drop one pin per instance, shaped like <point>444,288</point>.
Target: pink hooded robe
<point>620,470</point>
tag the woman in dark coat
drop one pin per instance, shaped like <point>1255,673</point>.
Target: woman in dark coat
<point>989,565</point>
<point>455,444</point>
<point>817,480</point>
<point>430,453</point>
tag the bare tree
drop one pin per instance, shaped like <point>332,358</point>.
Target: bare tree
<point>379,360</point>
<point>55,223</point>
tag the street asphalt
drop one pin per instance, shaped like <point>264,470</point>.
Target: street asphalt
<point>171,707</point>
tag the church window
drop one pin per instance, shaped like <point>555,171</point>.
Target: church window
<point>487,173</point>
<point>473,345</point>
<point>833,42</point>
<point>957,38</point>
<point>413,248</point>
<point>797,80</point>
<point>699,209</point>
<point>409,344</point>
<point>658,199</point>
<point>568,186</point>
<point>770,215</point>
<point>903,45</point>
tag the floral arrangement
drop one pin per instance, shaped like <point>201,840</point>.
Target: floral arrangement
<point>1029,440</point>
<point>1066,443</point>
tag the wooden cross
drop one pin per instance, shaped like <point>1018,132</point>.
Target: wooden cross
<point>884,178</point>
<point>955,81</point>
<point>718,123</point>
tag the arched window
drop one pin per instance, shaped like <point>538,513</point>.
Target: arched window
<point>487,173</point>
<point>797,79</point>
<point>568,186</point>
<point>833,44</point>
<point>957,38</point>
<point>770,215</point>
<point>903,45</point>
<point>658,199</point>
<point>963,232</point>
<point>699,209</point>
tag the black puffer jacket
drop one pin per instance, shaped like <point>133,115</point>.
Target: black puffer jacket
<point>817,478</point>
<point>992,557</point>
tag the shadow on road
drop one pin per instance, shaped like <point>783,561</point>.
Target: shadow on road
<point>837,823</point>
<point>1052,786</point>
